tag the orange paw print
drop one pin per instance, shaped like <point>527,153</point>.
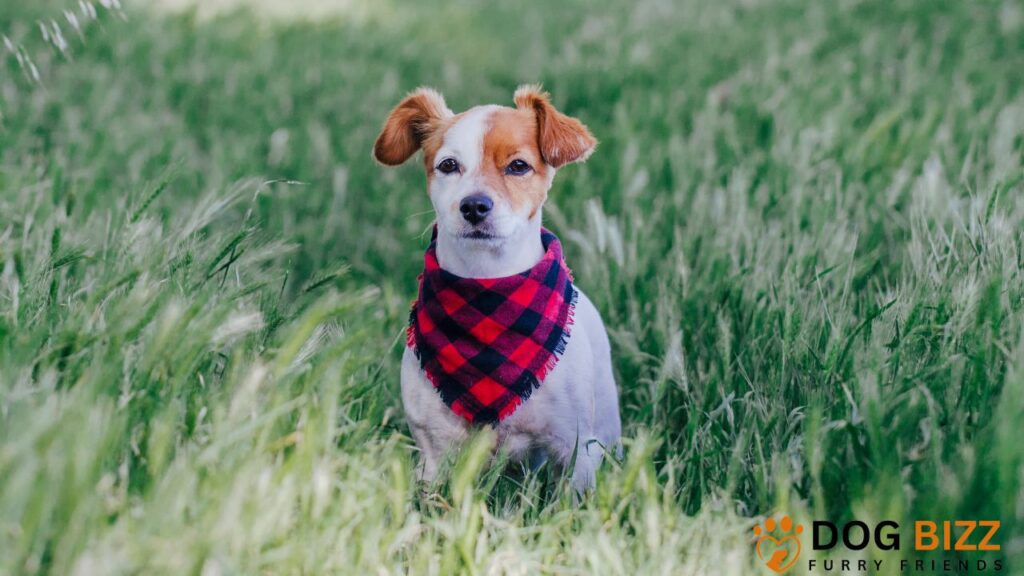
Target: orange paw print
<point>783,551</point>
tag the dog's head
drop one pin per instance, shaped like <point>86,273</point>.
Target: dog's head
<point>489,168</point>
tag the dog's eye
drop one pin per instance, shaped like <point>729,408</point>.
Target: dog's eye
<point>448,166</point>
<point>517,168</point>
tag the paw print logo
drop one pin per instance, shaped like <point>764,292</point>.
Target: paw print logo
<point>779,554</point>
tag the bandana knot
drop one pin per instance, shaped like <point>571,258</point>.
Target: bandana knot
<point>487,343</point>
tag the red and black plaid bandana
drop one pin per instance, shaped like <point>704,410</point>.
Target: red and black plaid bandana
<point>487,343</point>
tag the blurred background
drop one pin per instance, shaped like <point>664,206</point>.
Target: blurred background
<point>803,227</point>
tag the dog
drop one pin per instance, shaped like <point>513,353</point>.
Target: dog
<point>489,170</point>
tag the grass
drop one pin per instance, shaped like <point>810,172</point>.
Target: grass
<point>804,227</point>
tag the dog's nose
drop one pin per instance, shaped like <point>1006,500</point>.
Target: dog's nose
<point>475,208</point>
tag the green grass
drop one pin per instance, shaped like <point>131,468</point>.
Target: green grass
<point>804,227</point>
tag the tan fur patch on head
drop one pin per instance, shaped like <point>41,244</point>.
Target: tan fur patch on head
<point>417,118</point>
<point>562,139</point>
<point>512,135</point>
<point>435,139</point>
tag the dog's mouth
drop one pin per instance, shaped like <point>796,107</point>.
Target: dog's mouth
<point>478,235</point>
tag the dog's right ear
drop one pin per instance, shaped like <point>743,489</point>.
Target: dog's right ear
<point>408,125</point>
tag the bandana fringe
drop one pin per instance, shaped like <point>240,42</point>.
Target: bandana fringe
<point>559,350</point>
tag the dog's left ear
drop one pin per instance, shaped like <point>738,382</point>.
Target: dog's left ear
<point>563,139</point>
<point>409,124</point>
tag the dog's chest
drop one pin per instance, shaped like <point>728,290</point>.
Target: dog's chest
<point>556,404</point>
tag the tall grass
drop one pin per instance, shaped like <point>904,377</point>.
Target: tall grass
<point>804,227</point>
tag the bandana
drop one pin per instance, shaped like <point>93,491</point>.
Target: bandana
<point>487,343</point>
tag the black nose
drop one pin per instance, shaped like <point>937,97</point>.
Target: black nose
<point>475,208</point>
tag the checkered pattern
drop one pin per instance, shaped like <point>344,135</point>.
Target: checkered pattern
<point>486,344</point>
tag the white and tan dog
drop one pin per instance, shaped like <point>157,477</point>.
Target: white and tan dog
<point>489,170</point>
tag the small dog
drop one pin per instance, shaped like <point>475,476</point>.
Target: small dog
<point>499,334</point>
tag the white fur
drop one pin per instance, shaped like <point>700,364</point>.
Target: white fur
<point>576,409</point>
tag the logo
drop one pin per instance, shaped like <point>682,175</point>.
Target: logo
<point>779,554</point>
<point>778,546</point>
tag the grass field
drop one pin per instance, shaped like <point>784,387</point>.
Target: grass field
<point>804,227</point>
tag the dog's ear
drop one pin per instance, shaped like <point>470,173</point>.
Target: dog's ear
<point>415,118</point>
<point>563,139</point>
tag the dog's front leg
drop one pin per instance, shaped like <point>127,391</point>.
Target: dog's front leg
<point>435,428</point>
<point>431,454</point>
